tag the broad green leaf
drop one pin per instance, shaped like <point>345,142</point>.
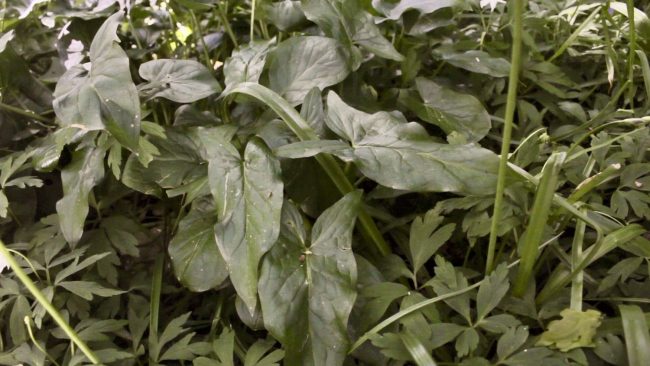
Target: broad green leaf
<point>394,9</point>
<point>491,292</point>
<point>450,110</point>
<point>78,179</point>
<point>101,95</point>
<point>479,62</point>
<point>427,237</point>
<point>247,62</point>
<point>348,22</point>
<point>301,63</point>
<point>198,265</point>
<point>285,14</point>
<point>182,81</point>
<point>179,162</point>
<point>248,192</point>
<point>575,329</point>
<point>402,156</point>
<point>307,287</point>
<point>637,337</point>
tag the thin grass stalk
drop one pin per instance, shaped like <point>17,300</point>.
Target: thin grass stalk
<point>539,215</point>
<point>47,305</point>
<point>576,257</point>
<point>631,51</point>
<point>517,31</point>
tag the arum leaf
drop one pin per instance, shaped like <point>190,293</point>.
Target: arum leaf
<point>78,179</point>
<point>182,81</point>
<point>307,287</point>
<point>285,14</point>
<point>301,63</point>
<point>449,110</point>
<point>402,156</point>
<point>248,192</point>
<point>247,63</point>
<point>104,97</point>
<point>394,9</point>
<point>575,329</point>
<point>479,62</point>
<point>198,265</point>
<point>348,22</point>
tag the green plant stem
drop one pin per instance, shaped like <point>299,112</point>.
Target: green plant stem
<point>517,30</point>
<point>576,256</point>
<point>304,132</point>
<point>45,303</point>
<point>252,30</point>
<point>156,286</point>
<point>226,24</point>
<point>24,113</point>
<point>594,181</point>
<point>574,35</point>
<point>199,33</point>
<point>631,51</point>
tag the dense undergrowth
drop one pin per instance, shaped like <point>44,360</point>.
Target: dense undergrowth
<point>228,182</point>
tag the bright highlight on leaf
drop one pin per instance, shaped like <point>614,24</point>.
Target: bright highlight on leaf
<point>576,329</point>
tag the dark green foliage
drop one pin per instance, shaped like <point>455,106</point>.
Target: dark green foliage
<point>311,182</point>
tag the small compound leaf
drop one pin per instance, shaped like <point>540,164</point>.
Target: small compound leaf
<point>575,329</point>
<point>426,237</point>
<point>248,192</point>
<point>246,63</point>
<point>197,263</point>
<point>78,179</point>
<point>402,156</point>
<point>511,341</point>
<point>492,291</point>
<point>307,292</point>
<point>467,342</point>
<point>301,63</point>
<point>104,97</point>
<point>182,81</point>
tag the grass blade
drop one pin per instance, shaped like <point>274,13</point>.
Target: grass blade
<point>54,313</point>
<point>417,350</point>
<point>511,102</point>
<point>535,230</point>
<point>576,257</point>
<point>637,337</point>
